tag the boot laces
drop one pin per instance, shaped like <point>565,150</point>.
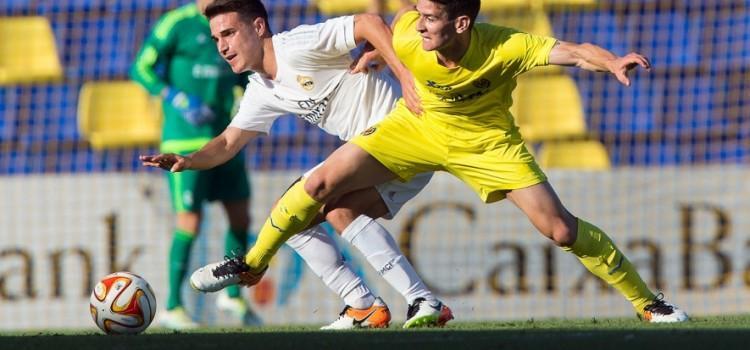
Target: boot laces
<point>231,266</point>
<point>659,306</point>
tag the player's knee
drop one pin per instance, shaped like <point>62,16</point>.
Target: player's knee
<point>563,235</point>
<point>188,222</point>
<point>318,186</point>
<point>340,218</point>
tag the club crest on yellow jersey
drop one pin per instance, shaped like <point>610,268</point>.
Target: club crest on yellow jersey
<point>305,82</point>
<point>369,131</point>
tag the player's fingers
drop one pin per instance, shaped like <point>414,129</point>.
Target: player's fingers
<point>355,67</point>
<point>176,167</point>
<point>643,61</point>
<point>632,60</point>
<point>648,61</point>
<point>623,78</point>
<point>414,106</point>
<point>149,161</point>
<point>148,158</point>
<point>359,68</point>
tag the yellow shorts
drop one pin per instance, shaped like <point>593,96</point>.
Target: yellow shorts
<point>491,160</point>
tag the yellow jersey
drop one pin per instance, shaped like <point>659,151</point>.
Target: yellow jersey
<point>478,91</point>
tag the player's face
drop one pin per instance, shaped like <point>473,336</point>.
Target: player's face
<point>239,43</point>
<point>436,29</point>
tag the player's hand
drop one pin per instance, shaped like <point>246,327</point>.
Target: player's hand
<point>622,65</point>
<point>409,92</point>
<point>249,279</point>
<point>169,161</point>
<point>368,59</point>
<point>191,107</point>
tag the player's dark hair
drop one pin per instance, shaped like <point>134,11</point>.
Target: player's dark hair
<point>248,10</point>
<point>456,8</point>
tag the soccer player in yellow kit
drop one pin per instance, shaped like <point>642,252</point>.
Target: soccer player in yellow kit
<point>464,74</point>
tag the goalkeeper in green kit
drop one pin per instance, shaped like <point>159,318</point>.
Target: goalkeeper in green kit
<point>179,62</point>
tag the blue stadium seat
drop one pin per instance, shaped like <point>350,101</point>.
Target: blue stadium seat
<point>612,30</point>
<point>286,126</point>
<point>675,39</point>
<point>16,7</point>
<point>730,44</point>
<point>8,102</point>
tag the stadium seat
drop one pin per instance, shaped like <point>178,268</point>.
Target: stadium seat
<point>28,52</point>
<point>344,7</point>
<point>548,107</point>
<point>578,154</point>
<point>118,114</point>
<point>340,7</point>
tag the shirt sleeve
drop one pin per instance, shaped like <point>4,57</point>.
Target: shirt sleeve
<point>158,48</point>
<point>254,113</point>
<point>330,39</point>
<point>524,51</point>
<point>405,38</point>
<point>406,23</point>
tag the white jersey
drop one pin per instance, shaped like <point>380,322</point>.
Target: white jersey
<point>314,83</point>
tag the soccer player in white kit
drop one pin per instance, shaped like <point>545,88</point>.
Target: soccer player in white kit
<point>306,71</point>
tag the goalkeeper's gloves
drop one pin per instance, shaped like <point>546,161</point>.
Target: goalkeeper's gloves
<point>192,109</point>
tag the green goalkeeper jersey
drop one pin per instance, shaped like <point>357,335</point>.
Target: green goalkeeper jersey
<point>179,53</point>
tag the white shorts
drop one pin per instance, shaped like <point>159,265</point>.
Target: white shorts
<point>395,193</point>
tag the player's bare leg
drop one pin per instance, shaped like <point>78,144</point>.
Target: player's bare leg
<point>596,251</point>
<point>347,169</point>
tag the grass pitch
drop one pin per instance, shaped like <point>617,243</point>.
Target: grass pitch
<point>714,333</point>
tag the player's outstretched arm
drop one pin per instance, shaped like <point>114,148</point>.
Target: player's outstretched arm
<point>217,151</point>
<point>595,58</point>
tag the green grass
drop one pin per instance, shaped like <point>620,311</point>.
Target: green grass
<point>713,333</point>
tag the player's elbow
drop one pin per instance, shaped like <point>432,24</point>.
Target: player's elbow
<point>367,19</point>
<point>367,25</point>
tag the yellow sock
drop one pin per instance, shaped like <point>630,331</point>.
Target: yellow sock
<point>294,211</point>
<point>600,256</point>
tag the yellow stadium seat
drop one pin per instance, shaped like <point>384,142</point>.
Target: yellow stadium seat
<point>494,5</point>
<point>580,154</point>
<point>344,7</point>
<point>339,7</point>
<point>118,114</point>
<point>548,107</point>
<point>27,51</point>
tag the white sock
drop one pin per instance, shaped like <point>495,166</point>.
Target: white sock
<point>323,257</point>
<point>383,254</point>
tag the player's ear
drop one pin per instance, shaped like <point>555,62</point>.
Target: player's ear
<point>259,24</point>
<point>462,23</point>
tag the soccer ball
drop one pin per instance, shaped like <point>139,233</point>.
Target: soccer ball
<point>122,303</point>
